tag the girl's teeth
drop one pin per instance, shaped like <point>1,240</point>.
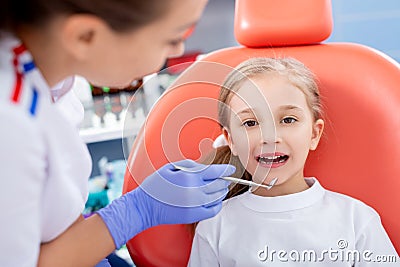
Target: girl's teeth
<point>271,159</point>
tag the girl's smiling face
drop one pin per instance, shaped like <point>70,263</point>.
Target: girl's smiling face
<point>271,130</point>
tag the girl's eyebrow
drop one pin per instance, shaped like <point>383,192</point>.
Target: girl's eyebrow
<point>251,112</point>
<point>283,107</point>
<point>291,107</point>
<point>245,112</point>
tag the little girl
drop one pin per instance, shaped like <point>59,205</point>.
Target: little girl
<point>270,113</point>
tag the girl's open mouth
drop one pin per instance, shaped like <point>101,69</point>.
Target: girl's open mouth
<point>272,160</point>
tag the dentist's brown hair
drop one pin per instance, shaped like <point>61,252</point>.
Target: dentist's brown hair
<point>120,15</point>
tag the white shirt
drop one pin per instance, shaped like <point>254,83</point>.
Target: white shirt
<point>44,164</point>
<point>315,227</point>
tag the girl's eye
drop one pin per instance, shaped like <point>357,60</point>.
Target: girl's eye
<point>250,123</point>
<point>288,120</point>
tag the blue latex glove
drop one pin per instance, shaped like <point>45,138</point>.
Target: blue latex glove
<point>168,196</point>
<point>103,263</point>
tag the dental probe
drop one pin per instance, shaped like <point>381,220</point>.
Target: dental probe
<point>250,183</point>
<point>227,178</point>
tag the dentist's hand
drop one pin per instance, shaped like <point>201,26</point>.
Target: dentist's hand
<point>168,196</point>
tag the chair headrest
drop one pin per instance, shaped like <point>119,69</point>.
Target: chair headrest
<point>268,23</point>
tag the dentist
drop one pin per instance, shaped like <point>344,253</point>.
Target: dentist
<point>45,165</point>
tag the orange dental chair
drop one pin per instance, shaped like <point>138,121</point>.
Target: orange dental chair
<point>360,90</point>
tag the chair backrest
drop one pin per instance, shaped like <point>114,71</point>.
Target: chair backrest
<point>361,96</point>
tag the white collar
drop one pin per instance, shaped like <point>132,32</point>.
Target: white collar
<point>287,202</point>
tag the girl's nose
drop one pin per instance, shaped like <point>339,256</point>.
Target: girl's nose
<point>270,135</point>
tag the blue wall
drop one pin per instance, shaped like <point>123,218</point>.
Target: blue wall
<point>375,23</point>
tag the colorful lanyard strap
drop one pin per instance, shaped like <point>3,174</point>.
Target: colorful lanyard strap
<point>20,71</point>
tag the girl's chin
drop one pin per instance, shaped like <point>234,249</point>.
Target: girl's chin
<point>264,180</point>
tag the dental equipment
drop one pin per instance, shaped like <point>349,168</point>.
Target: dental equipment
<point>250,183</point>
<point>232,179</point>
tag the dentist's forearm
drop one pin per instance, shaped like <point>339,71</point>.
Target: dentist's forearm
<point>84,243</point>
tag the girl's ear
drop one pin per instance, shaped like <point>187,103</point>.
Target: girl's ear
<point>229,140</point>
<point>318,128</point>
